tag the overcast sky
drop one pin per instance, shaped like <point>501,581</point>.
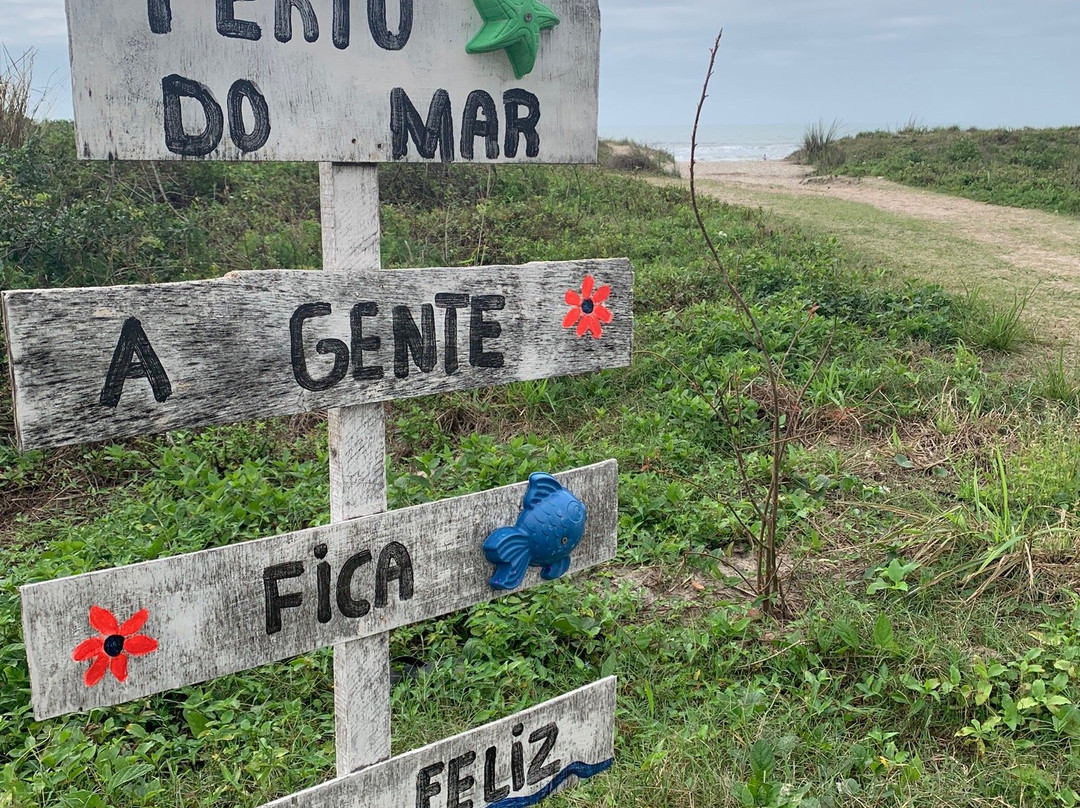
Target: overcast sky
<point>865,62</point>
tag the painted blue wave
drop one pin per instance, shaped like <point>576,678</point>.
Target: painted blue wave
<point>579,769</point>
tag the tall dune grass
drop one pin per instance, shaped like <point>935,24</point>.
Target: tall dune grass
<point>16,112</point>
<point>819,144</point>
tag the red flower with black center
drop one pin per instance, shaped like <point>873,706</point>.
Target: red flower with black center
<point>116,642</point>
<point>587,311</point>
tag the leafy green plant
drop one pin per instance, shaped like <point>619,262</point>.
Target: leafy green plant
<point>980,733</point>
<point>761,790</point>
<point>886,759</point>
<point>891,578</point>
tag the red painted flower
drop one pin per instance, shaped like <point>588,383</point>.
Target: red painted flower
<point>586,309</point>
<point>110,650</point>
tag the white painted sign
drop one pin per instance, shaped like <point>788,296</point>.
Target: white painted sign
<point>335,80</point>
<point>99,363</point>
<point>512,763</point>
<point>108,637</point>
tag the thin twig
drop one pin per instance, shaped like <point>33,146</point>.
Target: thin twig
<point>766,549</point>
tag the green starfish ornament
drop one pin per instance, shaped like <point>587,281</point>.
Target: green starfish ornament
<point>513,25</point>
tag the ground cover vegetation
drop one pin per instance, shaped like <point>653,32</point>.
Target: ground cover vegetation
<point>630,156</point>
<point>1028,168</point>
<point>925,514</point>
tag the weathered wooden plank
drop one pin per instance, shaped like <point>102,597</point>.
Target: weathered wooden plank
<point>232,608</point>
<point>350,227</point>
<point>559,742</point>
<point>100,363</point>
<point>191,79</point>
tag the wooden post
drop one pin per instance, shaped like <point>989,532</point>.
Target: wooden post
<point>350,238</point>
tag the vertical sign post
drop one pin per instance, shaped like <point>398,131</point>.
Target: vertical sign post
<point>350,226</point>
<point>483,81</point>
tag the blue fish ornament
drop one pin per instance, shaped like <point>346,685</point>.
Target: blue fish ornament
<point>549,527</point>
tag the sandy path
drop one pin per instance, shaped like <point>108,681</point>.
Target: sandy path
<point>957,242</point>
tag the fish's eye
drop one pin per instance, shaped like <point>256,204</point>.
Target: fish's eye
<point>565,540</point>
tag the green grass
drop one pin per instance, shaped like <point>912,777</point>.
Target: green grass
<point>871,695</point>
<point>948,253</point>
<point>995,326</point>
<point>890,242</point>
<point>1058,380</point>
<point>1028,168</point>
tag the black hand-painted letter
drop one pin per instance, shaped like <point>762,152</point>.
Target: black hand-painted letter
<point>324,346</point>
<point>376,17</point>
<point>339,32</point>
<point>491,793</point>
<point>437,132</point>
<point>283,19</point>
<point>133,341</point>
<point>160,14</point>
<point>425,788</point>
<point>517,126</point>
<point>456,785</point>
<point>517,759</point>
<point>350,606</point>
<point>548,733</point>
<point>450,302</point>
<point>255,139</point>
<point>322,582</point>
<point>472,127</point>
<point>177,140</point>
<point>360,343</point>
<point>395,564</point>
<point>481,329</point>
<point>275,601</point>
<point>228,25</point>
<point>409,339</point>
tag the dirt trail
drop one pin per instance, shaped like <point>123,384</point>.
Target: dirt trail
<point>956,242</point>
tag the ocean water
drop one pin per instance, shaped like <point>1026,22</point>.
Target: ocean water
<point>717,143</point>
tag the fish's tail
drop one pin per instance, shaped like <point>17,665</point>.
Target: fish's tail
<point>508,549</point>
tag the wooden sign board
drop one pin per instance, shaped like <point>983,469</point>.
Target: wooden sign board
<point>330,80</point>
<point>511,763</point>
<point>102,363</point>
<point>232,608</point>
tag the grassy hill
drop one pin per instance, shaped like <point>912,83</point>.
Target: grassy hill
<point>926,508</point>
<point>1030,168</point>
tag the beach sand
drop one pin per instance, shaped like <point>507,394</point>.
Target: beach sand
<point>754,173</point>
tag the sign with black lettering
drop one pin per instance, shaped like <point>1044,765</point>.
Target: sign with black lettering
<point>512,763</point>
<point>99,363</point>
<point>107,637</point>
<point>336,80</point>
